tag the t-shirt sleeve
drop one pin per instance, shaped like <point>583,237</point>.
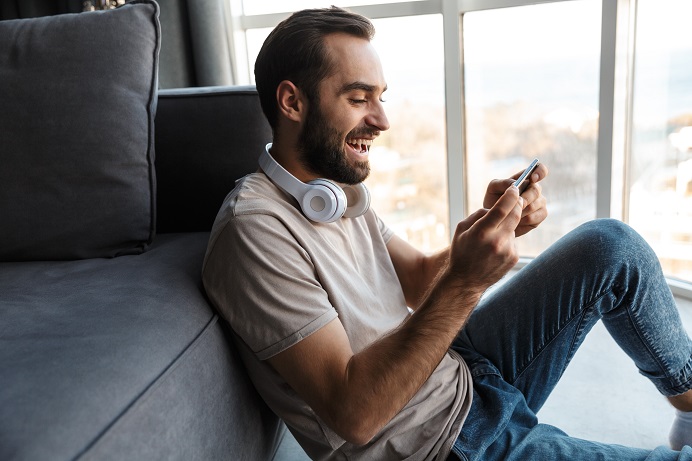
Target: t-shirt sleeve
<point>385,231</point>
<point>265,284</point>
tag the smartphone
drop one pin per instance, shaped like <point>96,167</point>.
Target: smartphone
<point>523,181</point>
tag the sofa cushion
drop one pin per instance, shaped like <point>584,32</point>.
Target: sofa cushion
<point>123,359</point>
<point>76,134</point>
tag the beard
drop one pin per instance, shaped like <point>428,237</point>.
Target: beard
<point>322,150</point>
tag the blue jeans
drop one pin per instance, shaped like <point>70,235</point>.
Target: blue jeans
<point>520,339</point>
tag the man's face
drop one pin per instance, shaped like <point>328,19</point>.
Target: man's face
<point>340,127</point>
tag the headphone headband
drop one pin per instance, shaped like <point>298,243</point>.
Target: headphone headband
<point>321,200</point>
<point>281,177</point>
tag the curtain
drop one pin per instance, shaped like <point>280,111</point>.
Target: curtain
<point>195,49</point>
<point>16,9</point>
<point>210,46</point>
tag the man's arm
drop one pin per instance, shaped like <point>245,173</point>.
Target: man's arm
<point>416,271</point>
<point>357,394</point>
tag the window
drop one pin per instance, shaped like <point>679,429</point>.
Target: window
<point>478,89</point>
<point>660,169</point>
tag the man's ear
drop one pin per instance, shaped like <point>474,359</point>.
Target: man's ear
<point>291,101</point>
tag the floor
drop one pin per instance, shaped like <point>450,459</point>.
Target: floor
<point>601,397</point>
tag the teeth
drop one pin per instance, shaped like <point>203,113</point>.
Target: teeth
<point>361,142</point>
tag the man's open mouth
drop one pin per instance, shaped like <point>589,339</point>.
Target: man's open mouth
<point>360,145</point>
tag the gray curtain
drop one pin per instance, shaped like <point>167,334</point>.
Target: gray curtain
<point>194,46</point>
<point>17,9</point>
<point>210,47</point>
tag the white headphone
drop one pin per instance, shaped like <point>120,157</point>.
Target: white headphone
<point>321,200</point>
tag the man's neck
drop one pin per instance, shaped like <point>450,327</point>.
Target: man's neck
<point>288,156</point>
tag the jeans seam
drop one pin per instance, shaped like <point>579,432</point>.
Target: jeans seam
<point>460,454</point>
<point>633,318</point>
<point>635,323</point>
<point>580,313</point>
<point>642,338</point>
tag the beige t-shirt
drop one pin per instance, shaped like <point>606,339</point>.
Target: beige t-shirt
<point>277,278</point>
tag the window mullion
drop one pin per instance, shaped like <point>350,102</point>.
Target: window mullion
<point>614,107</point>
<point>454,107</point>
<point>606,109</point>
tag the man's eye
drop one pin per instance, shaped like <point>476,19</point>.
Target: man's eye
<point>358,101</point>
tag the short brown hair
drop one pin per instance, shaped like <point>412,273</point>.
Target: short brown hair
<point>295,51</point>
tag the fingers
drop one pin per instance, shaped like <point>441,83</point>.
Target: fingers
<point>533,207</point>
<point>504,216</point>
<point>533,195</point>
<point>537,209</point>
<point>533,198</point>
<point>483,248</point>
<point>466,224</point>
<point>506,212</point>
<point>531,220</point>
<point>534,212</point>
<point>499,186</point>
<point>538,174</point>
<point>495,189</point>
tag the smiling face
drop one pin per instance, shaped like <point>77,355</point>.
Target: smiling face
<point>341,125</point>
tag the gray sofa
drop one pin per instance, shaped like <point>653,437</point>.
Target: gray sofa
<point>108,346</point>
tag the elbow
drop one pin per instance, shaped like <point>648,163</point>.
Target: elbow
<point>356,415</point>
<point>357,434</point>
<point>360,442</point>
<point>356,429</point>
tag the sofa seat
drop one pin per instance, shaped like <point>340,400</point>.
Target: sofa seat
<point>123,359</point>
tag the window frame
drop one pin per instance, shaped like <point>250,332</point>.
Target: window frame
<point>618,27</point>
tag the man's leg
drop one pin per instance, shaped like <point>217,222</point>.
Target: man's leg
<point>682,402</point>
<point>530,328</point>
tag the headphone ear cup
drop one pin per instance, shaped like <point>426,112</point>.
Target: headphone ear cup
<point>358,200</point>
<point>324,201</point>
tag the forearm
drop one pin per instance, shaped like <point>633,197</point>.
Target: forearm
<point>381,379</point>
<point>432,268</point>
<point>416,271</point>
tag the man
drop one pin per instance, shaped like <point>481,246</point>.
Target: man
<point>318,302</point>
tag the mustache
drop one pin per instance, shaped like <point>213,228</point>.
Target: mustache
<point>362,132</point>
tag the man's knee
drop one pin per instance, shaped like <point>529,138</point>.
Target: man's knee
<point>613,242</point>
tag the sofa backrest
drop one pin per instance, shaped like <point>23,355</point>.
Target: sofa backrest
<point>206,139</point>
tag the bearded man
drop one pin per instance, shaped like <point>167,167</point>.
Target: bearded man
<point>369,349</point>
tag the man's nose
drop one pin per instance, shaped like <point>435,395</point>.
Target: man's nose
<point>377,117</point>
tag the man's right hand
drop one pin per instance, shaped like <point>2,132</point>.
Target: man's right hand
<point>483,249</point>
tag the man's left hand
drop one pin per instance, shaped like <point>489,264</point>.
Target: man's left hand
<point>535,206</point>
